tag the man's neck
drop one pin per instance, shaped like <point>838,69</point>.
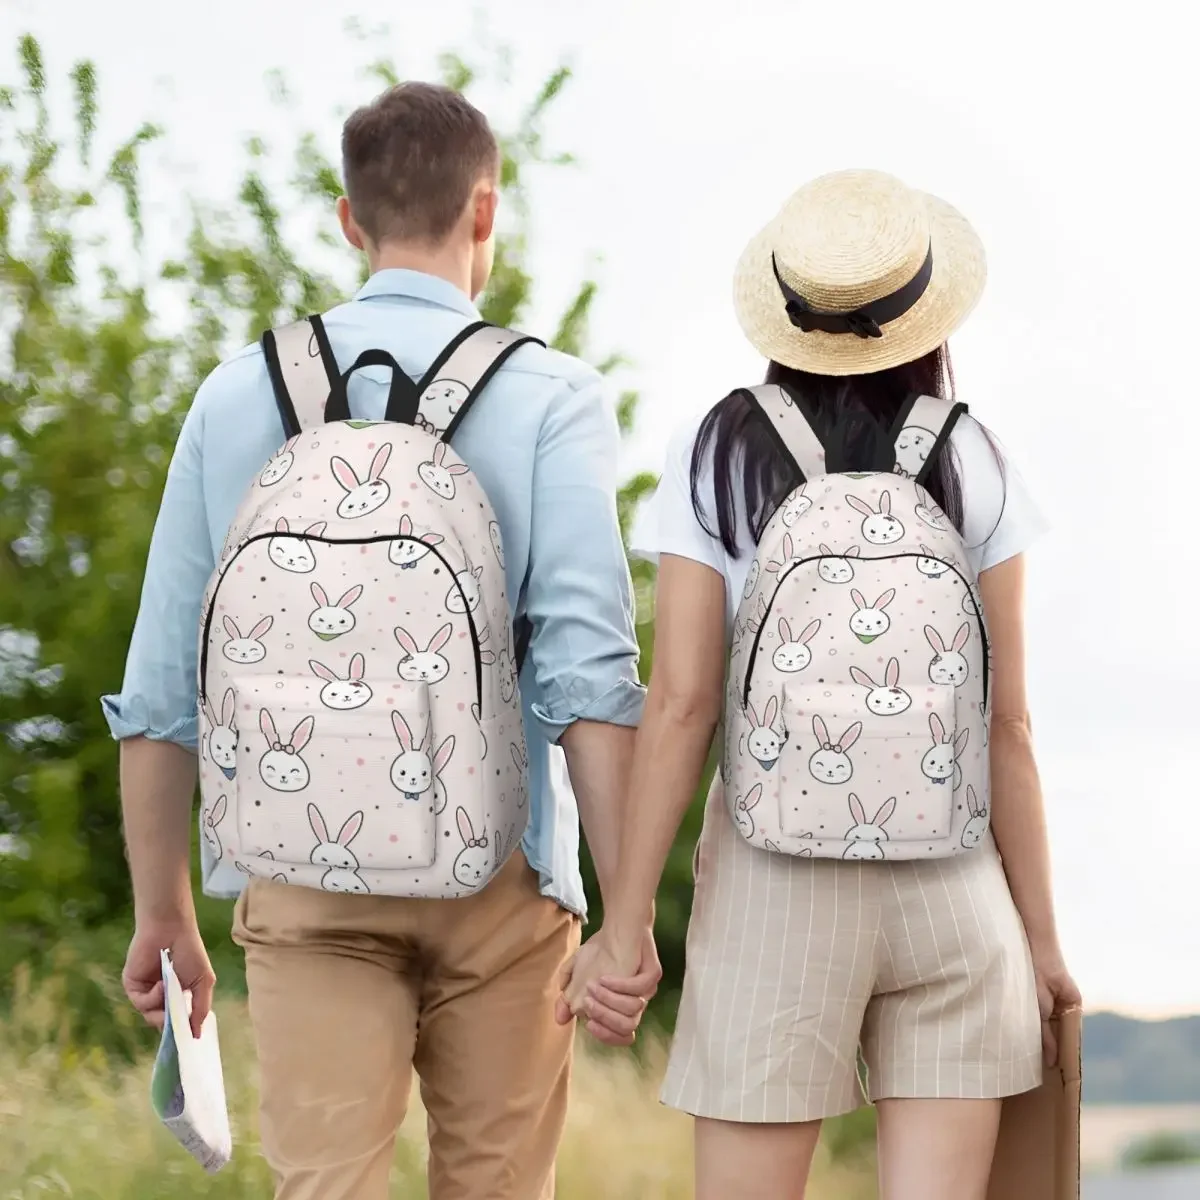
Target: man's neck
<point>450,263</point>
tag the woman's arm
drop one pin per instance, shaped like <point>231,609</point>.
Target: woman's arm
<point>1018,815</point>
<point>683,708</point>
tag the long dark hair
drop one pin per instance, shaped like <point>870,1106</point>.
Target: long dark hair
<point>854,417</point>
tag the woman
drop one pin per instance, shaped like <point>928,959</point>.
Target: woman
<point>934,969</point>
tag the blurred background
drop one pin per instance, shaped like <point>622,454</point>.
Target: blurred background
<point>167,177</point>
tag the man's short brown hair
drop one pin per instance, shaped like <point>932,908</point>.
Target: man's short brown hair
<point>410,159</point>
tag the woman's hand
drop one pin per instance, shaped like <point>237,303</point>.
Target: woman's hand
<point>1056,992</point>
<point>609,986</point>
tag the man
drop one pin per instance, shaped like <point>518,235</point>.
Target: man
<point>349,992</point>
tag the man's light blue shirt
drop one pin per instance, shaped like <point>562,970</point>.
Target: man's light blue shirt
<point>543,441</point>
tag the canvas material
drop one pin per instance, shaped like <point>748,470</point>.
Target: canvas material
<point>856,720</point>
<point>360,719</point>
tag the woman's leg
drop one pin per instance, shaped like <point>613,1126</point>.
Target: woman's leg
<point>936,1149</point>
<point>753,1162</point>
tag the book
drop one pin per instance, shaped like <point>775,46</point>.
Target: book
<point>187,1087</point>
<point>1037,1151</point>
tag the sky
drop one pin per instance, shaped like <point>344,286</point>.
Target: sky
<point>1065,135</point>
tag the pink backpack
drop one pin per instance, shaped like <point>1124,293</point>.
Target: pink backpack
<point>856,718</point>
<point>359,710</point>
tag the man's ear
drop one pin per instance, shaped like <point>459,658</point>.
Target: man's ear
<point>487,198</point>
<point>350,229</point>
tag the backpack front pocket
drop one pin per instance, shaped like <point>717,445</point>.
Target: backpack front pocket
<point>861,766</point>
<point>342,775</point>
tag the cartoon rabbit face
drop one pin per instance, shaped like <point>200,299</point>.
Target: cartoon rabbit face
<point>865,836</point>
<point>741,810</point>
<point>438,477</point>
<point>329,621</point>
<point>793,654</point>
<point>831,763</point>
<point>929,513</point>
<point>281,768</point>
<point>948,664</point>
<point>977,826</point>
<point>930,566</point>
<point>211,819</point>
<point>464,595</point>
<point>363,496</point>
<point>343,694</point>
<point>336,855</point>
<point>408,549</point>
<point>778,565</point>
<point>941,758</point>
<point>887,700</point>
<point>223,735</point>
<point>763,742</point>
<point>834,569</point>
<point>752,577</point>
<point>912,449</point>
<point>497,542</point>
<point>279,464</point>
<point>879,527</point>
<point>473,866</point>
<point>413,772</point>
<point>248,649</point>
<point>869,620</point>
<point>795,507</point>
<point>423,666</point>
<point>507,669</point>
<point>441,400</point>
<point>291,553</point>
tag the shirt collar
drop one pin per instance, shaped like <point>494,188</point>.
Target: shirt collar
<point>416,285</point>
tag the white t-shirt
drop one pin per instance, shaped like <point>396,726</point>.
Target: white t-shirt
<point>1000,518</point>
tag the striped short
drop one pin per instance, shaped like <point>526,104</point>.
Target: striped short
<point>803,971</point>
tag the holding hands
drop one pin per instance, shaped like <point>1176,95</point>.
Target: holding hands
<point>608,984</point>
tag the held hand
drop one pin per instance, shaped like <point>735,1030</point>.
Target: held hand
<point>142,977</point>
<point>610,988</point>
<point>1056,993</point>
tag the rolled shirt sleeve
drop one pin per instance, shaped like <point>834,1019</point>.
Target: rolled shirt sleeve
<point>158,697</point>
<point>579,596</point>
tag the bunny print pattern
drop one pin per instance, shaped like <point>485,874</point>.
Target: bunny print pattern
<point>358,624</point>
<point>820,722</point>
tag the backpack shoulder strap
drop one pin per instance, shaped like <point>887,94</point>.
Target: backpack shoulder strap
<point>466,365</point>
<point>921,431</point>
<point>792,427</point>
<point>303,370</point>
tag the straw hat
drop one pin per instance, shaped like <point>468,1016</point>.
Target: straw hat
<point>858,273</point>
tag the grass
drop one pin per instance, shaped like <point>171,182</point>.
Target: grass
<point>76,1123</point>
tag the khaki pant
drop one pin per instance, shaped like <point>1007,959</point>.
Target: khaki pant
<point>348,993</point>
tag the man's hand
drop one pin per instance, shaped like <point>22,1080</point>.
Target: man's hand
<point>1056,992</point>
<point>610,988</point>
<point>142,977</point>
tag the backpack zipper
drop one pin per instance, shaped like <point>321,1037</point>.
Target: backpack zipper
<point>881,558</point>
<point>383,537</point>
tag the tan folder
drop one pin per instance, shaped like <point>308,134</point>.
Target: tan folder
<point>1037,1154</point>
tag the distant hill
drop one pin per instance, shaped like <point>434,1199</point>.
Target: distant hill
<point>1126,1061</point>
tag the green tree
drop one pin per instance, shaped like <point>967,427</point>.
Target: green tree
<point>93,386</point>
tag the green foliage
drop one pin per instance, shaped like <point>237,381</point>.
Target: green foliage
<point>1162,1149</point>
<point>93,386</point>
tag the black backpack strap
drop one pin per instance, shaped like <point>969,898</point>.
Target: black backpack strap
<point>792,426</point>
<point>922,429</point>
<point>302,370</point>
<point>464,368</point>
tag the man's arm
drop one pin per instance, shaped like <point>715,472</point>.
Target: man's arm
<point>579,599</point>
<point>155,719</point>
